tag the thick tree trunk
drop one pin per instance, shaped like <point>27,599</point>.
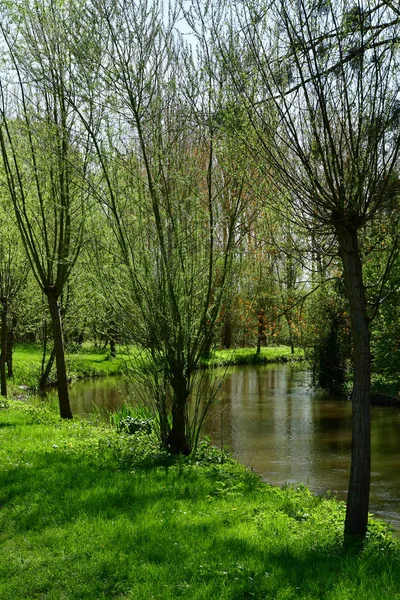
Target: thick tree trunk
<point>62,382</point>
<point>3,358</point>
<point>360,471</point>
<point>163,416</point>
<point>177,439</point>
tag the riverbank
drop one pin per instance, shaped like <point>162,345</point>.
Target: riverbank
<point>87,513</point>
<point>248,356</point>
<point>90,361</point>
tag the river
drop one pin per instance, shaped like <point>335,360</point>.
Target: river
<point>273,421</point>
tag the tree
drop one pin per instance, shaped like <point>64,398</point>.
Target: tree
<point>13,275</point>
<point>169,191</point>
<point>319,81</point>
<point>44,155</point>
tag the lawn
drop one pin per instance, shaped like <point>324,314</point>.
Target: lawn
<point>246,356</point>
<point>87,513</point>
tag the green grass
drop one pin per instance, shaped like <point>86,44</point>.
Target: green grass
<point>86,513</point>
<point>247,356</point>
<point>88,362</point>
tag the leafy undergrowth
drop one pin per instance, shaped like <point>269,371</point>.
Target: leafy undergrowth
<point>388,386</point>
<point>87,513</point>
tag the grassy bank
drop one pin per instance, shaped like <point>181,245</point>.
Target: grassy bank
<point>248,356</point>
<point>95,362</point>
<point>88,362</point>
<point>86,513</point>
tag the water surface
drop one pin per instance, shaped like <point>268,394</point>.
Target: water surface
<point>272,421</point>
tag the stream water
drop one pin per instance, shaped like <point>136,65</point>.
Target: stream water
<point>272,420</point>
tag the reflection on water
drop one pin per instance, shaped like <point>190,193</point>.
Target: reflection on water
<point>104,394</point>
<point>273,421</point>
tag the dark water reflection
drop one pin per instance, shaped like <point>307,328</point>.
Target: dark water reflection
<point>273,421</point>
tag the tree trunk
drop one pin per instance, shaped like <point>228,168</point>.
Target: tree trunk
<point>46,372</point>
<point>3,358</point>
<point>163,416</point>
<point>10,344</point>
<point>113,352</point>
<point>178,439</point>
<point>360,471</point>
<point>62,382</point>
<point>227,328</point>
<point>291,339</point>
<point>261,329</point>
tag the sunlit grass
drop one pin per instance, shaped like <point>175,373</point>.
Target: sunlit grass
<point>243,356</point>
<point>86,513</point>
<point>88,362</point>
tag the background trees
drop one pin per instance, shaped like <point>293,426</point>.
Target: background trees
<point>13,276</point>
<point>273,148</point>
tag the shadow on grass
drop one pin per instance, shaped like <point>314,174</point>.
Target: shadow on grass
<point>123,530</point>
<point>59,489</point>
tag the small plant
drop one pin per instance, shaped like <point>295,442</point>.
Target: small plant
<point>130,425</point>
<point>206,454</point>
<point>133,419</point>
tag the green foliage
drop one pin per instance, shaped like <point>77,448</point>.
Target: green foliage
<point>133,419</point>
<point>386,344</point>
<point>330,354</point>
<point>327,338</point>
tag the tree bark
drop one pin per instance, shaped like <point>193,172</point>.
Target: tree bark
<point>177,439</point>
<point>291,342</point>
<point>62,381</point>
<point>10,344</point>
<point>3,358</point>
<point>46,372</point>
<point>360,470</point>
